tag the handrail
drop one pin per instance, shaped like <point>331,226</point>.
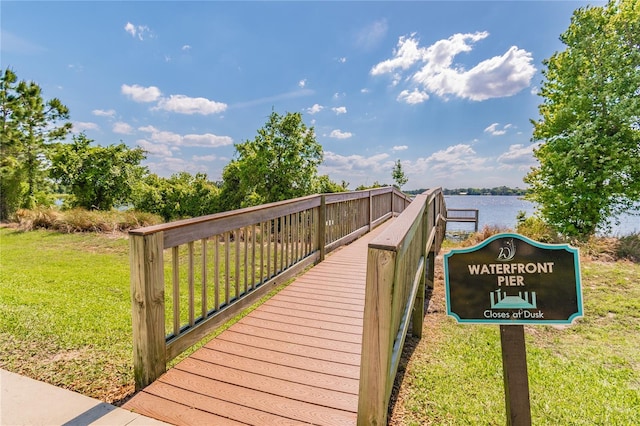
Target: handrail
<point>218,265</point>
<point>463,215</point>
<point>400,264</point>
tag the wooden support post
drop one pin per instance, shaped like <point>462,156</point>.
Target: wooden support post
<point>516,381</point>
<point>147,307</point>
<point>377,339</point>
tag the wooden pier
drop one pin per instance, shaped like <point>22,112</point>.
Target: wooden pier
<point>293,360</point>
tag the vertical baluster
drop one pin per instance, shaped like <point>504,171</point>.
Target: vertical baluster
<point>226,267</point>
<point>237,274</point>
<point>262,235</point>
<point>246,258</point>
<point>253,256</point>
<point>203,302</point>
<point>216,278</point>
<point>269,232</point>
<point>276,231</point>
<point>191,286</point>
<point>175,282</point>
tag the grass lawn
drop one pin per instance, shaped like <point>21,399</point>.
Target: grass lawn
<point>66,312</point>
<point>65,319</point>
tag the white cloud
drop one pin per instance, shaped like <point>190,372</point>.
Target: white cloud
<point>493,129</point>
<point>339,110</point>
<point>354,162</point>
<point>499,76</point>
<point>412,98</point>
<point>207,140</point>
<point>452,161</point>
<point>204,158</point>
<point>302,83</point>
<point>186,47</point>
<point>138,31</point>
<point>171,165</point>
<point>400,148</point>
<point>519,155</point>
<point>141,94</point>
<point>342,60</point>
<point>182,104</point>
<point>104,113</point>
<point>122,128</point>
<point>316,108</point>
<point>154,149</point>
<point>339,134</point>
<point>81,126</point>
<point>365,90</point>
<point>371,35</point>
<point>405,55</point>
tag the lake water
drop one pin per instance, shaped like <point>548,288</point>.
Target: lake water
<point>496,210</point>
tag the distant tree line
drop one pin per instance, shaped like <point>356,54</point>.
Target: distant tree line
<point>500,190</point>
<point>38,166</point>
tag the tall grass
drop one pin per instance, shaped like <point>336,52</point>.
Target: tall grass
<point>81,220</point>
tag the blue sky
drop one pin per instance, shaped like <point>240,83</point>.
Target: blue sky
<point>447,88</point>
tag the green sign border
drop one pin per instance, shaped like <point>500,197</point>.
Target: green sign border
<point>567,247</point>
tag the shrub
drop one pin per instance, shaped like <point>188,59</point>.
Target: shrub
<point>81,220</point>
<point>536,229</point>
<point>628,247</point>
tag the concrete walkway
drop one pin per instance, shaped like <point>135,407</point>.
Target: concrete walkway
<point>24,401</point>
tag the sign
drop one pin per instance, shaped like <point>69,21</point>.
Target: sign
<point>509,279</point>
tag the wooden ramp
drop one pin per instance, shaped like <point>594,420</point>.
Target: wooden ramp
<point>294,360</point>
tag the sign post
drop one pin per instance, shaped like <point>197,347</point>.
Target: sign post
<point>511,280</point>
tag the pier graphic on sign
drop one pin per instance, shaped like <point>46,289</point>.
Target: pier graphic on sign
<point>501,300</point>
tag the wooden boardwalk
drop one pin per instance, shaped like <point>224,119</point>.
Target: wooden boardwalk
<point>294,360</point>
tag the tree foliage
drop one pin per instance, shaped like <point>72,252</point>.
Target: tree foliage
<point>398,175</point>
<point>280,163</point>
<point>98,178</point>
<point>29,125</point>
<point>589,125</point>
<point>180,196</point>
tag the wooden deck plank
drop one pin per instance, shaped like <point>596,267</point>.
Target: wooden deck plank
<point>331,295</point>
<point>293,360</point>
<point>302,363</point>
<point>271,385</point>
<point>293,313</point>
<point>177,413</point>
<point>283,318</point>
<point>318,309</point>
<point>249,398</point>
<point>279,369</point>
<point>308,341</point>
<point>322,303</point>
<point>303,330</point>
<point>292,348</point>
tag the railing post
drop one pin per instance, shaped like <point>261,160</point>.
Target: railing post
<point>377,339</point>
<point>418,306</point>
<point>322,226</point>
<point>147,307</point>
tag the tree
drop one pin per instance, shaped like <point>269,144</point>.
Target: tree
<point>99,178</point>
<point>280,163</point>
<point>29,125</point>
<point>324,185</point>
<point>589,125</point>
<point>398,175</point>
<point>180,196</point>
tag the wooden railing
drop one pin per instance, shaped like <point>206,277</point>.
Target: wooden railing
<point>400,263</point>
<point>463,215</point>
<point>189,277</point>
